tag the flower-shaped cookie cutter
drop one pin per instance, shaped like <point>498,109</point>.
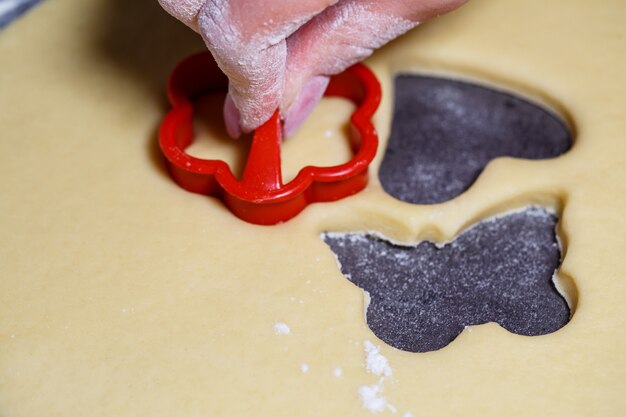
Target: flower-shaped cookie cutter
<point>259,196</point>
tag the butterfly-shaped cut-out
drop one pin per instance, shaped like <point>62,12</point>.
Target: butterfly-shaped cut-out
<point>422,296</point>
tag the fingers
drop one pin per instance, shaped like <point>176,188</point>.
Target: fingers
<point>342,35</point>
<point>184,10</point>
<point>310,94</point>
<point>232,116</point>
<point>247,39</point>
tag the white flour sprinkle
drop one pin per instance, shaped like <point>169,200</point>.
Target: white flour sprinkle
<point>375,362</point>
<point>304,368</point>
<point>408,414</point>
<point>281,328</point>
<point>371,395</point>
<point>338,372</point>
<point>372,399</point>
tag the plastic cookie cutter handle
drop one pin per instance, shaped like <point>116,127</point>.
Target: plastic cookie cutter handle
<point>260,197</point>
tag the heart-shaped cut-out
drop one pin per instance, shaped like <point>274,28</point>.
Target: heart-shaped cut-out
<point>444,132</point>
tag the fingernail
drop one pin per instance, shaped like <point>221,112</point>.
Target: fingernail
<point>231,118</point>
<point>304,103</point>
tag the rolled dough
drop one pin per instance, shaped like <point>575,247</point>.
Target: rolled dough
<point>122,295</point>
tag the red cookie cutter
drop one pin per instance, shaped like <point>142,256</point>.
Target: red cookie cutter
<point>260,197</point>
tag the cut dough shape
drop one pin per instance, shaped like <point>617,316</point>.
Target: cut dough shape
<point>445,131</point>
<point>422,296</point>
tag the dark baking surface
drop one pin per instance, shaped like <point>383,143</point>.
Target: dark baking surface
<point>444,132</point>
<point>500,270</point>
<point>12,9</point>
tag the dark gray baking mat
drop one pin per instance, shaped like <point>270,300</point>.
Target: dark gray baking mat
<point>12,9</point>
<point>500,270</point>
<point>444,132</point>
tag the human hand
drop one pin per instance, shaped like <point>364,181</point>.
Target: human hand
<point>279,54</point>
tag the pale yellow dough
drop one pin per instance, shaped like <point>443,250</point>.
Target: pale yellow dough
<point>122,295</point>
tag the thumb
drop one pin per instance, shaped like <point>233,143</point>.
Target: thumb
<point>340,36</point>
<point>247,39</point>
